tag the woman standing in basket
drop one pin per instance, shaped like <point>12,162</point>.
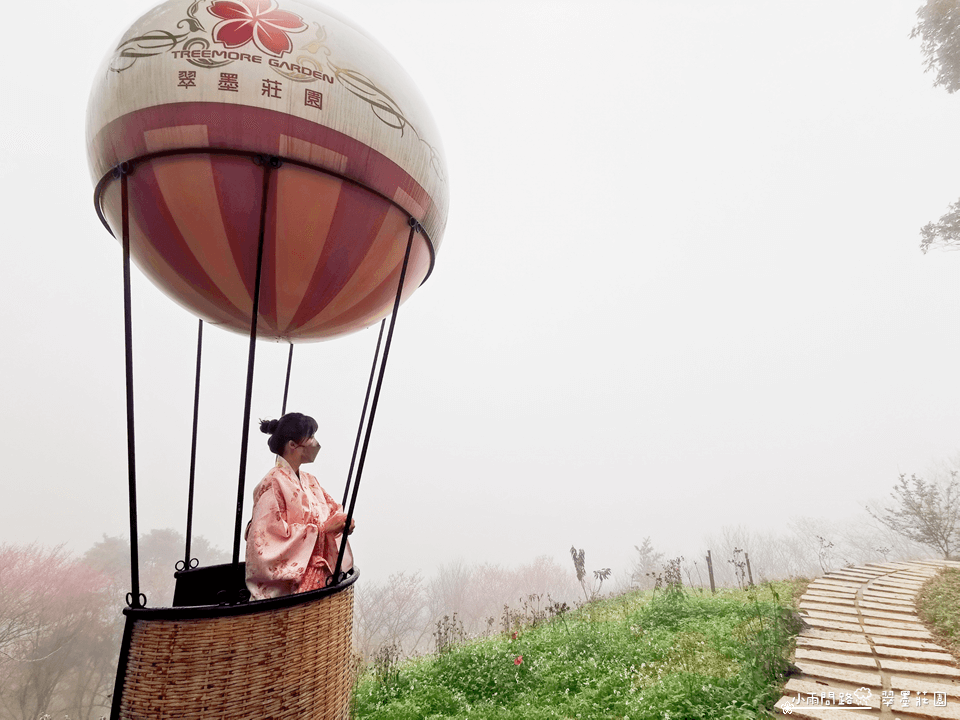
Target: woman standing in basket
<point>295,534</point>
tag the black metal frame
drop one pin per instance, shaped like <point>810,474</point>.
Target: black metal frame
<point>234,602</point>
<point>335,577</point>
<point>187,561</point>
<point>363,415</point>
<point>286,383</point>
<point>135,599</point>
<point>268,164</point>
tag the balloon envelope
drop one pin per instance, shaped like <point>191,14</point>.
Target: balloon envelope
<point>195,91</point>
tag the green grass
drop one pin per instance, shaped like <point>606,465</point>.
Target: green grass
<point>939,607</point>
<point>673,655</point>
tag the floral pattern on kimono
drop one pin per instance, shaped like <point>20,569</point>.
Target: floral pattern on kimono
<point>289,548</point>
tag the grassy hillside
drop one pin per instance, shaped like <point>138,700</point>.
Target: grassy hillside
<point>664,654</point>
<point>939,607</point>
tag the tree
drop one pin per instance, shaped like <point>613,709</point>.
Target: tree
<point>925,512</point>
<point>52,613</point>
<point>159,552</point>
<point>390,614</point>
<point>944,233</point>
<point>939,32</point>
<point>645,565</point>
<point>579,564</point>
<point>61,624</point>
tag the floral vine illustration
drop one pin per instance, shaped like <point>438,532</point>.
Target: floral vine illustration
<point>240,22</point>
<point>385,108</point>
<point>155,42</point>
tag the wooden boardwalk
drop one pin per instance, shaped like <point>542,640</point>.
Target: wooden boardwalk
<point>865,653</point>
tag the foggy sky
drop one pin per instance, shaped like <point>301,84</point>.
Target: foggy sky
<point>680,288</point>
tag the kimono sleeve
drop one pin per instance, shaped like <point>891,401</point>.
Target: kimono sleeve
<point>324,558</point>
<point>278,551</point>
<point>328,542</point>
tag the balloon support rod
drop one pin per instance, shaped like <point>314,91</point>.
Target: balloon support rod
<point>269,164</point>
<point>414,228</point>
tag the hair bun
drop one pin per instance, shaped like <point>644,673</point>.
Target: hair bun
<point>269,426</point>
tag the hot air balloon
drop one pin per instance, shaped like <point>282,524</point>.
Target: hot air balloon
<point>270,167</point>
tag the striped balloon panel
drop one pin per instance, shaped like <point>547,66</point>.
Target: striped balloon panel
<point>251,129</point>
<point>333,251</point>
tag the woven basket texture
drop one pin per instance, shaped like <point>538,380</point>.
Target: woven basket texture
<point>293,662</point>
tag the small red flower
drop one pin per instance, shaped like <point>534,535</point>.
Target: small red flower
<point>259,21</point>
<point>518,660</point>
<point>513,637</point>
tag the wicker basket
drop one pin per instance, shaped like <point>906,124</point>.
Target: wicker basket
<point>268,660</point>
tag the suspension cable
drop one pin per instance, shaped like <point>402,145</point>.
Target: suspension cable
<point>135,598</point>
<point>414,228</point>
<point>286,384</point>
<point>189,562</point>
<point>363,414</point>
<point>268,165</point>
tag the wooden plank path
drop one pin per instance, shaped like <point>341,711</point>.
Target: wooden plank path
<point>864,652</point>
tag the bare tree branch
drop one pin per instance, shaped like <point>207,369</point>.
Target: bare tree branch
<point>925,512</point>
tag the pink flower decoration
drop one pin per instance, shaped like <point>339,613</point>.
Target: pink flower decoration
<point>259,21</point>
<point>518,660</point>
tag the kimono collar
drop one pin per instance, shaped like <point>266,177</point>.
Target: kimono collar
<point>285,466</point>
<point>303,477</point>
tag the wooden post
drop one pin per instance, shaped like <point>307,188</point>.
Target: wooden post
<point>713,587</point>
<point>749,572</point>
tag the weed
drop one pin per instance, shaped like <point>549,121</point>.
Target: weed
<point>579,564</point>
<point>449,634</point>
<point>823,553</point>
<point>670,581</point>
<point>510,620</point>
<point>386,667</point>
<point>767,631</point>
<point>740,567</point>
<point>699,576</point>
<point>534,612</point>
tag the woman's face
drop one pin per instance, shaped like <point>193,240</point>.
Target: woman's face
<point>311,448</point>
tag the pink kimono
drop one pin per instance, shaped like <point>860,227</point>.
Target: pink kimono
<point>289,549</point>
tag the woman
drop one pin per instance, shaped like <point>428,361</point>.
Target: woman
<point>294,536</point>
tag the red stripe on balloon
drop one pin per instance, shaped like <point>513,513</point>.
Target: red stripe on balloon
<point>155,267</point>
<point>385,253</point>
<point>299,235</point>
<point>380,301</point>
<point>357,219</point>
<point>239,185</point>
<point>268,270</point>
<point>150,211</point>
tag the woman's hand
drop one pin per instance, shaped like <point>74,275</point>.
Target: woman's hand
<point>336,523</point>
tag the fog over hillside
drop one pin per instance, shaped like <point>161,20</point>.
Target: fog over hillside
<point>680,292</point>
